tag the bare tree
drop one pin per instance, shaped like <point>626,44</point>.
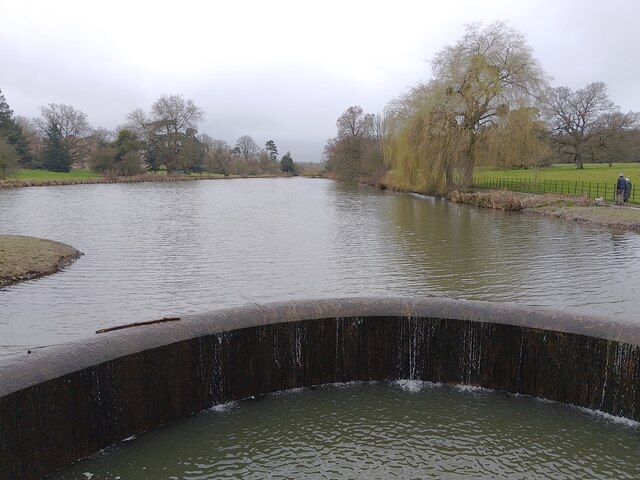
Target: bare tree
<point>586,121</point>
<point>170,133</point>
<point>70,126</point>
<point>248,147</point>
<point>356,152</point>
<point>176,114</point>
<point>218,155</point>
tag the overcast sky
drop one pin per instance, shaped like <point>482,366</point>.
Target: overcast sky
<point>285,70</point>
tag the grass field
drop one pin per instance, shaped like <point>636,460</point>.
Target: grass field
<point>45,175</point>
<point>594,180</point>
<point>592,172</point>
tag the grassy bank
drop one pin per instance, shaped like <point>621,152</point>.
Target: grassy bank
<point>47,176</point>
<point>25,258</point>
<point>595,180</point>
<point>33,178</point>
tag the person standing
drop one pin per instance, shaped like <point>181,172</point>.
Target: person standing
<point>621,186</point>
<point>627,190</point>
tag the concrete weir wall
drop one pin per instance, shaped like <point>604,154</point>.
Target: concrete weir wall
<point>60,404</point>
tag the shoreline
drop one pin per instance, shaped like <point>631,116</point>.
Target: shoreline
<point>25,258</point>
<point>565,207</point>
<point>142,178</point>
<point>609,216</point>
<point>145,178</point>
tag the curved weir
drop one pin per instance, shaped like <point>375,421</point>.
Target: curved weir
<point>60,404</point>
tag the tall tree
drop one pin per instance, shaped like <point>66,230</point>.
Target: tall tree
<point>488,72</point>
<point>247,147</point>
<point>6,114</point>
<point>440,129</point>
<point>585,122</point>
<point>272,150</point>
<point>8,159</point>
<point>355,154</point>
<point>126,141</point>
<point>56,155</point>
<point>287,165</point>
<point>13,133</point>
<point>170,131</point>
<point>218,155</point>
<point>65,131</point>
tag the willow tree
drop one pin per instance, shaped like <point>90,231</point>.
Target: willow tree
<point>451,121</point>
<point>423,145</point>
<point>518,140</point>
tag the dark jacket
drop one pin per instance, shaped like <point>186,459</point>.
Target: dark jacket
<point>621,183</point>
<point>627,189</point>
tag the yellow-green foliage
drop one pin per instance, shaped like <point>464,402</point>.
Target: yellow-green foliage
<point>515,141</point>
<point>476,110</point>
<point>423,147</point>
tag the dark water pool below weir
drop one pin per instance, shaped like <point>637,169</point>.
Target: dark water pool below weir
<point>61,404</point>
<point>381,430</point>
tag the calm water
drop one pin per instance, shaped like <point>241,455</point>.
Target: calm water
<point>159,249</point>
<point>403,430</point>
<point>154,250</point>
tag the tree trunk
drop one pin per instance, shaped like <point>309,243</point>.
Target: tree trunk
<point>470,161</point>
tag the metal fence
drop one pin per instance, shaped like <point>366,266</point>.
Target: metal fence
<point>605,191</point>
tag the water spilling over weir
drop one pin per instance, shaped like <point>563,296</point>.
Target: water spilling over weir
<point>63,403</point>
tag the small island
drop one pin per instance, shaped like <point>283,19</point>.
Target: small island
<point>24,258</point>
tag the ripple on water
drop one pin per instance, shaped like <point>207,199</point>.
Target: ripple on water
<point>367,430</point>
<point>155,250</point>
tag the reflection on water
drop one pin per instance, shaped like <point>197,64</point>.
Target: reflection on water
<point>160,249</point>
<point>406,430</point>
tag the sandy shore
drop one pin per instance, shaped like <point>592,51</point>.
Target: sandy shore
<point>24,258</point>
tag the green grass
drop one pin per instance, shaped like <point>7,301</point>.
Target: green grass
<point>45,175</point>
<point>594,180</point>
<point>592,172</point>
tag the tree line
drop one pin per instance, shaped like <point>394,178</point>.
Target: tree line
<point>489,103</point>
<point>166,137</point>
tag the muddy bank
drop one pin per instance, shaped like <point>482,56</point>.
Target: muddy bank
<point>616,217</point>
<point>25,258</point>
<point>577,209</point>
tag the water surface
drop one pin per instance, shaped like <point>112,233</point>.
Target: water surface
<point>403,430</point>
<point>167,249</point>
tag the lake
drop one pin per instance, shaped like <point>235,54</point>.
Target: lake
<point>167,249</point>
<point>161,249</point>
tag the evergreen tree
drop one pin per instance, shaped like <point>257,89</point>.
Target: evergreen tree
<point>6,114</point>
<point>286,164</point>
<point>8,159</point>
<point>57,157</point>
<point>273,150</point>
<point>13,134</point>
